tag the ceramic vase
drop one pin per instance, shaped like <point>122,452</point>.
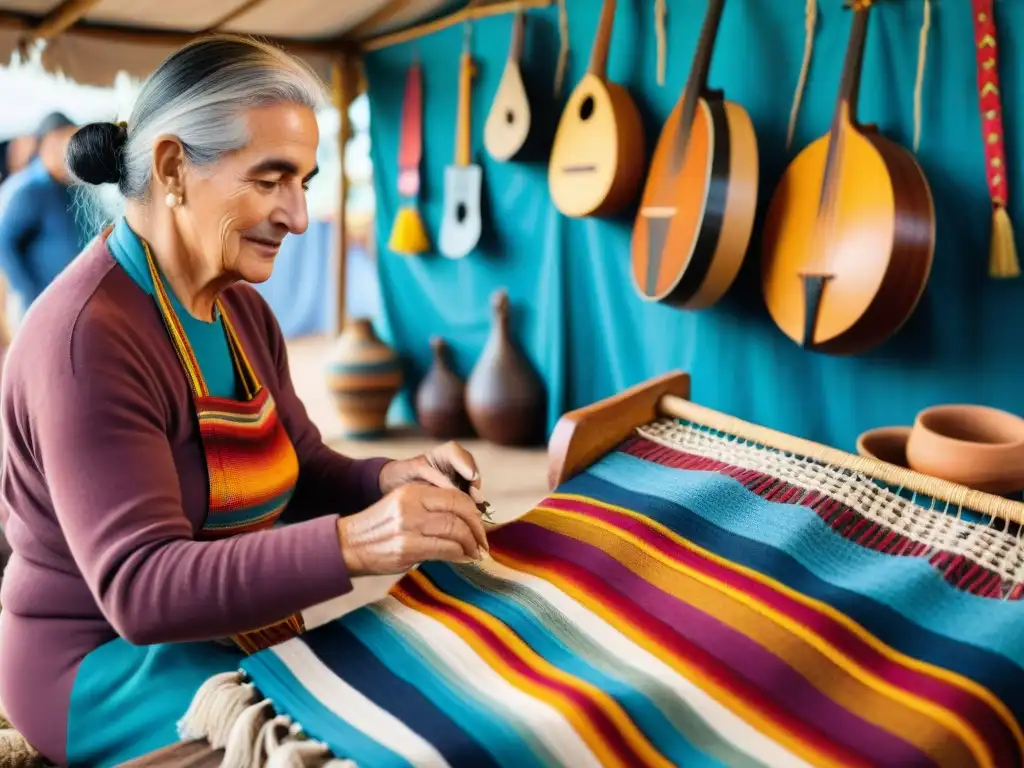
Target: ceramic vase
<point>441,398</point>
<point>505,397</point>
<point>364,374</point>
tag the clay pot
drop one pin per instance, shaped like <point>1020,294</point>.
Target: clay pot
<point>505,397</point>
<point>976,446</point>
<point>441,398</point>
<point>887,444</point>
<point>364,374</point>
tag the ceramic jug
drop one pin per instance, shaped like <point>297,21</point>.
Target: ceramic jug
<point>505,397</point>
<point>441,398</point>
<point>364,374</point>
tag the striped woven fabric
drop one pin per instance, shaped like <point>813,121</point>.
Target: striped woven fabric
<point>689,600</point>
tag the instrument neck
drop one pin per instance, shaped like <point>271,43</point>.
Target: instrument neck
<point>849,87</point>
<point>697,83</point>
<point>462,120</point>
<point>599,55</point>
<point>515,50</point>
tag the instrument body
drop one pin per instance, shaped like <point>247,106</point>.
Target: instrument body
<point>597,157</point>
<point>697,211</point>
<point>849,236</point>
<point>461,218</point>
<point>508,123</point>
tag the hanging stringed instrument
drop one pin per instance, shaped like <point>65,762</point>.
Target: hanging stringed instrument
<point>697,211</point>
<point>461,224</point>
<point>597,157</point>
<point>850,232</point>
<point>508,123</point>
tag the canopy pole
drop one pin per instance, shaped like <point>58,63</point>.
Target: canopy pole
<point>343,87</point>
<point>469,13</point>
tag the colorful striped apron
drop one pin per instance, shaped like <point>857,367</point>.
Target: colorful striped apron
<point>250,459</point>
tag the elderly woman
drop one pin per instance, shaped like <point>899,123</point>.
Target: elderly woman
<point>154,438</point>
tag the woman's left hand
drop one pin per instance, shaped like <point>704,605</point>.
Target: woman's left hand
<point>423,468</point>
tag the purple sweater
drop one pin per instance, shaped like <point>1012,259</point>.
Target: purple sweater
<point>104,488</point>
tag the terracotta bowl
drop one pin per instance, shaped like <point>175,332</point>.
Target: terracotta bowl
<point>973,445</point>
<point>887,444</point>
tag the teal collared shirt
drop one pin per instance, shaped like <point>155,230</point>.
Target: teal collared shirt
<point>209,341</point>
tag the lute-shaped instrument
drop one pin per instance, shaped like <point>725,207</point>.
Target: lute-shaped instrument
<point>597,157</point>
<point>508,122</point>
<point>463,181</point>
<point>697,211</point>
<point>850,233</point>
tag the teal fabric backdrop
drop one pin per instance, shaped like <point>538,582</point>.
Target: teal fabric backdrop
<point>575,310</point>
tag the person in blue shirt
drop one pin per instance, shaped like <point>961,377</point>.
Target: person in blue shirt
<point>38,232</point>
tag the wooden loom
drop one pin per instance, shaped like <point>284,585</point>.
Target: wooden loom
<point>583,436</point>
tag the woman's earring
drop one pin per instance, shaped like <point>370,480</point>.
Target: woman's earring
<point>172,200</point>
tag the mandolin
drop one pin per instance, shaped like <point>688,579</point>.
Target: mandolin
<point>849,235</point>
<point>697,210</point>
<point>463,181</point>
<point>508,122</point>
<point>597,157</point>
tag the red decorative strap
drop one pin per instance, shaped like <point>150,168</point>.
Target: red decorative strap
<point>410,146</point>
<point>989,100</point>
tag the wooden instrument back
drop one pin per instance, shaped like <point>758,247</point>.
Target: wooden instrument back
<point>850,233</point>
<point>598,153</point>
<point>508,123</point>
<point>697,211</point>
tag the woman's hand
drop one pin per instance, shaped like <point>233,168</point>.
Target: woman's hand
<point>425,469</point>
<point>411,524</point>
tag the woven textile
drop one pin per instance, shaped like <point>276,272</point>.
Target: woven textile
<point>693,600</point>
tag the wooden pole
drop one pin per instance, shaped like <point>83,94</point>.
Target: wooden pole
<point>343,87</point>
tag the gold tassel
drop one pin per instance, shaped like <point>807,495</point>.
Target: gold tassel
<point>1003,251</point>
<point>408,235</point>
<point>922,55</point>
<point>810,18</point>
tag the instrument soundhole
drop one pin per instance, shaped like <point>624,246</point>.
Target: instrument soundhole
<point>460,212</point>
<point>510,116</point>
<point>587,108</point>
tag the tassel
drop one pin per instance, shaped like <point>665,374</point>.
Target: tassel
<point>240,747</point>
<point>1003,252</point>
<point>299,754</point>
<point>221,692</point>
<point>408,235</point>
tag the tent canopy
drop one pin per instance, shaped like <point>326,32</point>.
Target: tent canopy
<point>90,41</point>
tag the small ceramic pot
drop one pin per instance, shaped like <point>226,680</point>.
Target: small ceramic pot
<point>888,444</point>
<point>363,374</point>
<point>974,445</point>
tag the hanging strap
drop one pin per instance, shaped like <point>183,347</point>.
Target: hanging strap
<point>810,20</point>
<point>183,348</point>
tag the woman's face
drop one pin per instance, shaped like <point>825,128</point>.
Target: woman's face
<point>236,214</point>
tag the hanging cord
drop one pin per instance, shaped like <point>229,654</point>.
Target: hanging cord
<point>659,34</point>
<point>563,46</point>
<point>810,19</point>
<point>922,56</point>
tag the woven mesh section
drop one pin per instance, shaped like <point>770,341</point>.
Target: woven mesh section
<point>931,523</point>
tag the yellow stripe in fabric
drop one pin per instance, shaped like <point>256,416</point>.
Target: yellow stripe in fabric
<point>180,341</point>
<point>605,753</point>
<point>933,729</point>
<point>896,656</point>
<point>755,717</point>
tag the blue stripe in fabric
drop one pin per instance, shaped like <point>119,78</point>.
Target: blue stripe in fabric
<point>352,661</point>
<point>245,514</point>
<point>641,710</point>
<point>906,605</point>
<point>508,747</point>
<point>277,683</point>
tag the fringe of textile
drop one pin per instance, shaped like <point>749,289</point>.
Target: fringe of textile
<point>232,715</point>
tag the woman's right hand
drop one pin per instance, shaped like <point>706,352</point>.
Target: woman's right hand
<point>412,524</point>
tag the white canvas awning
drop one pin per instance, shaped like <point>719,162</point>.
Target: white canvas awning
<point>90,41</point>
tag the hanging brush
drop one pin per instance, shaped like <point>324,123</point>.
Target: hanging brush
<point>408,234</point>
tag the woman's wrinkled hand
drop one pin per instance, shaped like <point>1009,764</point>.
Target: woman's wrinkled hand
<point>426,469</point>
<point>413,523</point>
